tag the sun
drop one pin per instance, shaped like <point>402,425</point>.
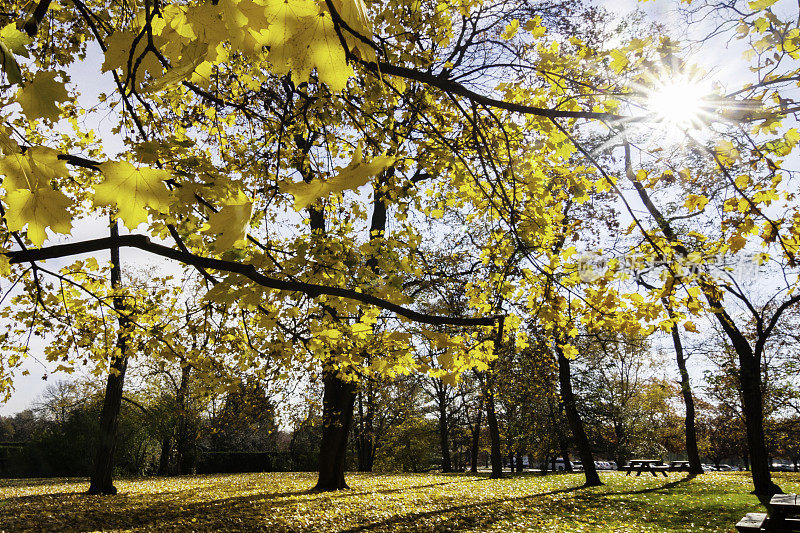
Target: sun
<point>681,102</point>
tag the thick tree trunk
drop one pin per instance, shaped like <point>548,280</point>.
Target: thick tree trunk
<point>163,460</point>
<point>752,405</point>
<point>565,454</point>
<point>101,479</point>
<point>337,416</point>
<point>695,467</point>
<point>494,431</point>
<point>752,399</point>
<point>575,423</point>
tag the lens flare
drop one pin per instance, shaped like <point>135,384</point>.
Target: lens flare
<point>679,102</point>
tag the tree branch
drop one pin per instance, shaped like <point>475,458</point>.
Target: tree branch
<point>249,271</point>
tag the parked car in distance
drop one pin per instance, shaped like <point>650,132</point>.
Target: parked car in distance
<point>559,465</point>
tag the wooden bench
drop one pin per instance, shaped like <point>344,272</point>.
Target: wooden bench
<point>751,522</point>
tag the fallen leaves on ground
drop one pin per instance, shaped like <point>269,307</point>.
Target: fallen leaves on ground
<point>385,502</point>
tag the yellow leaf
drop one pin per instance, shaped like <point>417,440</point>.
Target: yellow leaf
<point>5,265</point>
<point>15,40</point>
<point>758,5</point>
<point>230,223</point>
<point>318,46</point>
<point>191,57</point>
<point>7,144</point>
<point>689,326</point>
<point>119,55</point>
<point>354,13</point>
<point>206,24</point>
<point>10,43</point>
<point>695,202</point>
<point>449,379</point>
<point>39,209</point>
<point>301,38</point>
<point>726,151</point>
<point>285,18</point>
<point>510,30</point>
<point>38,98</point>
<point>32,170</point>
<point>356,174</point>
<point>618,61</point>
<point>569,351</point>
<point>133,190</point>
<point>736,243</point>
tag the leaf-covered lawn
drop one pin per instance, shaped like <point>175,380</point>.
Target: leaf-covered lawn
<point>402,502</point>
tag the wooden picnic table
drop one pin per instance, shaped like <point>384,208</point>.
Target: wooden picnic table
<point>679,466</point>
<point>783,512</point>
<point>650,465</point>
<point>783,507</point>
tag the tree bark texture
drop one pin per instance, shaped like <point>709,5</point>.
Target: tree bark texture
<point>101,480</point>
<point>575,423</point>
<point>695,467</point>
<point>337,416</point>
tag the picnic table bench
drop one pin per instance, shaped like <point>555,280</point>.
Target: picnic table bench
<point>784,510</point>
<point>679,466</point>
<point>646,465</point>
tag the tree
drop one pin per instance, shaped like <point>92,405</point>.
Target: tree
<point>234,126</point>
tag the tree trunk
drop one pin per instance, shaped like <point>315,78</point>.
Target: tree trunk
<point>476,437</point>
<point>565,455</point>
<point>749,359</point>
<point>575,423</point>
<point>337,416</point>
<point>360,434</point>
<point>184,449</point>
<point>752,400</point>
<point>444,430</point>
<point>695,467</point>
<point>752,405</point>
<point>494,431</point>
<point>163,460</point>
<point>102,472</point>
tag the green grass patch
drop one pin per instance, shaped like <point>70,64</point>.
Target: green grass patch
<point>388,502</point>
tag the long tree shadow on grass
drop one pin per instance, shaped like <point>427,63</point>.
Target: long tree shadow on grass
<point>592,504</point>
<point>412,520</point>
<point>302,511</point>
<point>171,510</point>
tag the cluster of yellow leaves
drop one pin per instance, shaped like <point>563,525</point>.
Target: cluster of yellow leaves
<point>30,197</point>
<point>295,36</point>
<point>354,175</point>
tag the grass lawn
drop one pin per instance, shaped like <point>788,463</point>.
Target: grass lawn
<point>385,502</point>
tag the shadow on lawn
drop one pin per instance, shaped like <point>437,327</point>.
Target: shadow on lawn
<point>278,512</point>
<point>411,521</point>
<point>170,511</point>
